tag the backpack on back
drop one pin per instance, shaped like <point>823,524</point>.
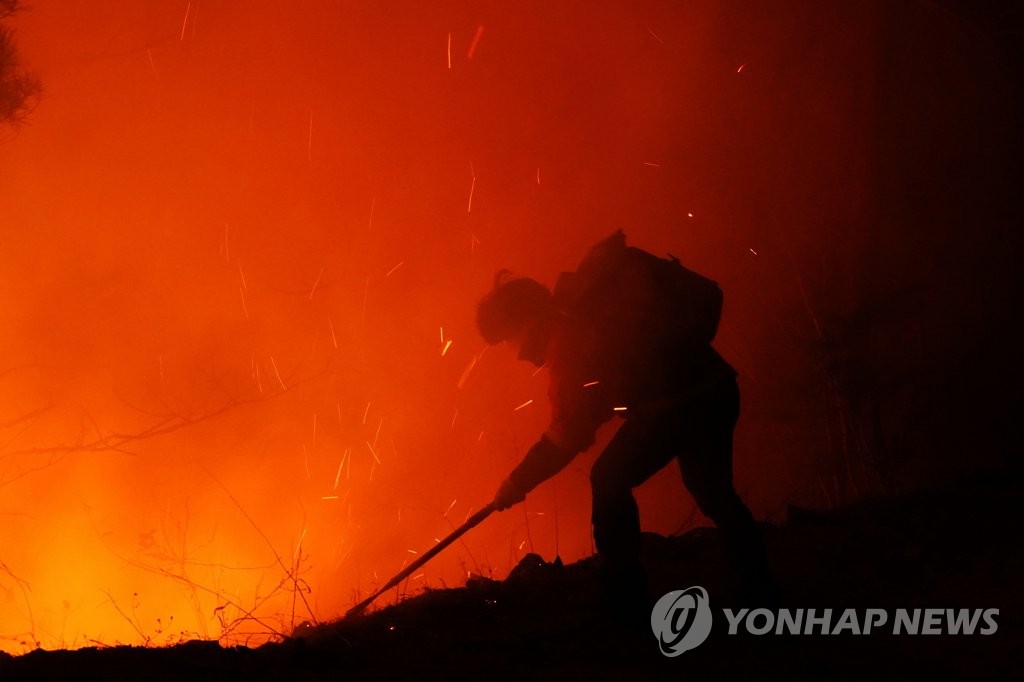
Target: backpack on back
<point>640,303</point>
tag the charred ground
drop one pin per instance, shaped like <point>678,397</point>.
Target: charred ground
<point>951,548</point>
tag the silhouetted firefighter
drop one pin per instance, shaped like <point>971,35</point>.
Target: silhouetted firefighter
<point>629,334</point>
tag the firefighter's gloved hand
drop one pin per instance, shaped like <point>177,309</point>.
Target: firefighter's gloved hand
<point>542,461</point>
<point>508,494</point>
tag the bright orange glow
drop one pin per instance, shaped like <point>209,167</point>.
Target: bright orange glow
<point>230,232</point>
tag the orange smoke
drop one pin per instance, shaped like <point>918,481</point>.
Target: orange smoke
<point>243,242</point>
<point>240,382</point>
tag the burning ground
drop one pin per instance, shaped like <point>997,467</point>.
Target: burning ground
<point>950,548</point>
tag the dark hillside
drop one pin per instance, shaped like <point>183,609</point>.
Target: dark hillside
<point>952,548</point>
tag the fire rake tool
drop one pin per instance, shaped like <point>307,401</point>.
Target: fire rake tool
<point>472,521</point>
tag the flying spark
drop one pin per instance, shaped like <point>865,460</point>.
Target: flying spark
<point>278,374</point>
<point>341,465</point>
<point>256,374</point>
<point>392,270</point>
<point>469,368</point>
<point>476,40</point>
<point>528,402</point>
<point>152,65</point>
<point>450,507</point>
<point>316,284</point>
<point>373,452</point>
<point>298,547</point>
<point>449,51</point>
<point>334,339</point>
<point>185,22</point>
<point>472,186</point>
<point>591,383</point>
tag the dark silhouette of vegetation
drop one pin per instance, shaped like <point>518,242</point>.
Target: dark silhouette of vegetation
<point>19,88</point>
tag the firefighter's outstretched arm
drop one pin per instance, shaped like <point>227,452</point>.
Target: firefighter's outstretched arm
<point>542,461</point>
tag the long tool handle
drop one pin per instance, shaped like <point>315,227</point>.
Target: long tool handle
<point>427,556</point>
